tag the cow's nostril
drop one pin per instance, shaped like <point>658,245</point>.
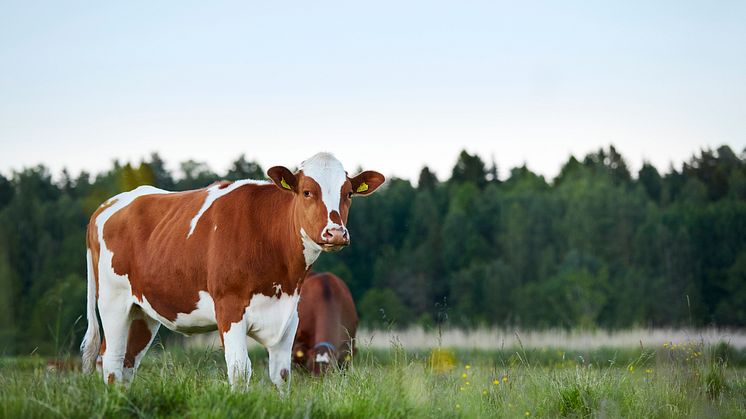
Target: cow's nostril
<point>336,236</point>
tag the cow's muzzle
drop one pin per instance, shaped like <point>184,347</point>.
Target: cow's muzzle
<point>334,239</point>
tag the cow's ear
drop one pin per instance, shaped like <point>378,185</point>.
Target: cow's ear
<point>283,178</point>
<point>367,182</point>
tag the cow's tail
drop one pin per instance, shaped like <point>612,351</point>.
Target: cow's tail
<point>91,344</point>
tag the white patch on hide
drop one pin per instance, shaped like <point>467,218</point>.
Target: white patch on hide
<point>201,318</point>
<point>268,317</point>
<point>311,249</point>
<point>215,192</point>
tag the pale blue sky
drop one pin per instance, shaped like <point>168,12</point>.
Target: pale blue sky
<point>389,85</point>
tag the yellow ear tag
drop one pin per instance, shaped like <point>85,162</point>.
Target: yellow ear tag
<point>284,184</point>
<point>362,188</point>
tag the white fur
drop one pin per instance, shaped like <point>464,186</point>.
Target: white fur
<point>272,321</point>
<point>328,172</point>
<point>215,192</point>
<point>268,317</point>
<point>236,354</point>
<point>280,355</point>
<point>203,316</point>
<point>311,249</point>
<point>323,358</point>
<point>201,319</point>
<point>92,340</point>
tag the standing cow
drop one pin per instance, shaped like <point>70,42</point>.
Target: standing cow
<point>230,257</point>
<point>327,323</point>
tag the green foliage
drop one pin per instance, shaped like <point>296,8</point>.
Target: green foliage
<point>595,246</point>
<point>383,308</point>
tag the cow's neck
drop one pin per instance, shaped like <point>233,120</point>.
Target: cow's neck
<point>296,253</point>
<point>309,250</point>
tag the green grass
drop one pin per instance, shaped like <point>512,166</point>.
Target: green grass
<point>684,381</point>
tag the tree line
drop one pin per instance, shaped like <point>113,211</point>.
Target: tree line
<point>594,247</point>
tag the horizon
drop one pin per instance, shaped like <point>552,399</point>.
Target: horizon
<point>443,175</point>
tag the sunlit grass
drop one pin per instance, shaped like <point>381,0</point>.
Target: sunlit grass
<point>547,382</point>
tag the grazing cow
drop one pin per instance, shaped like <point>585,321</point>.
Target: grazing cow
<point>230,257</point>
<point>327,323</point>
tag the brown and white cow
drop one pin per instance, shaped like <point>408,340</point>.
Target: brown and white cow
<point>327,323</point>
<point>230,257</point>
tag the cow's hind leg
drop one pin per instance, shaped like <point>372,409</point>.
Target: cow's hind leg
<point>115,319</point>
<point>280,355</point>
<point>142,331</point>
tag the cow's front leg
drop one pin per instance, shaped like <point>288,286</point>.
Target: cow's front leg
<point>235,345</point>
<point>280,356</point>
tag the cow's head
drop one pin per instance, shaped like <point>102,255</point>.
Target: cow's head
<point>322,196</point>
<point>319,359</point>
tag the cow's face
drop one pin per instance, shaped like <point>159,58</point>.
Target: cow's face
<point>322,196</point>
<point>316,360</point>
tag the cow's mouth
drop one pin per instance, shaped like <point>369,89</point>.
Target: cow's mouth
<point>332,247</point>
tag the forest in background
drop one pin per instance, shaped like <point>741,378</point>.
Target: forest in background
<point>597,246</point>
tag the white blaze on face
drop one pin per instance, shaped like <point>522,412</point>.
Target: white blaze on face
<point>328,172</point>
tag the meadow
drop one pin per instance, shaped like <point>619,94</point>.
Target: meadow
<point>676,379</point>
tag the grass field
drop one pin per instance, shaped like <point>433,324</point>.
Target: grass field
<point>678,379</point>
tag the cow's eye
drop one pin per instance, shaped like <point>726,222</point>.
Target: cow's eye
<point>307,194</point>
<point>349,194</point>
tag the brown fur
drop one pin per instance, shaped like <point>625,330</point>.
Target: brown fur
<point>326,313</point>
<point>138,338</point>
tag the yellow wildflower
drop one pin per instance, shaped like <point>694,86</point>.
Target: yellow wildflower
<point>505,379</point>
<point>648,371</point>
<point>468,366</point>
<point>442,360</point>
<point>496,382</point>
<point>463,375</point>
<point>527,413</point>
<point>484,392</point>
<point>467,383</point>
<point>631,368</point>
